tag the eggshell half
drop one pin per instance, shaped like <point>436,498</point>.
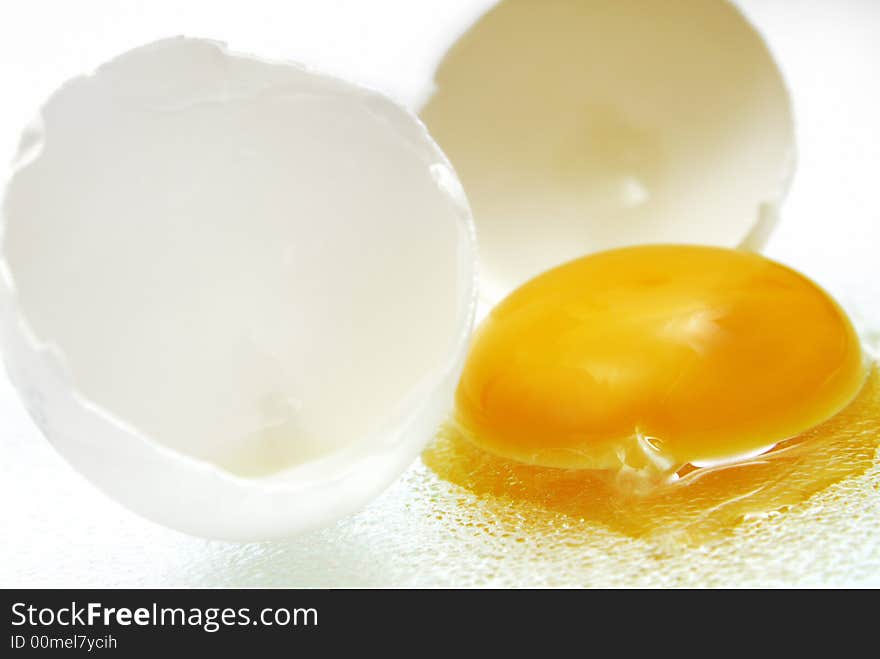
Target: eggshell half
<point>235,294</point>
<point>582,125</point>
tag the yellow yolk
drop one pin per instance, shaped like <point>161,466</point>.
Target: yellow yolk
<point>656,357</point>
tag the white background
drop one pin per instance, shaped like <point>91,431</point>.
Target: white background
<point>55,529</point>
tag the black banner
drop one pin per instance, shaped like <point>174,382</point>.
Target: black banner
<point>133,622</point>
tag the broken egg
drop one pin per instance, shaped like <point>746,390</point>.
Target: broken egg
<point>594,385</point>
<point>578,126</point>
<point>236,294</point>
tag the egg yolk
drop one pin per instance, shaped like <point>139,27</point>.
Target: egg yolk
<point>656,357</point>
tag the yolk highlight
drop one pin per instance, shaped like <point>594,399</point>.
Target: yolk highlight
<point>657,357</point>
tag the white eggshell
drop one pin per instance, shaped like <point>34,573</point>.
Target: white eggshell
<point>236,295</point>
<point>582,125</point>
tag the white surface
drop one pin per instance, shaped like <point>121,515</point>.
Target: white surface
<point>59,530</point>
